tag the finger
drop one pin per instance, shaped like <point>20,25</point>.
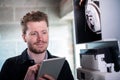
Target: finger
<point>29,75</point>
<point>41,78</point>
<point>34,68</point>
<point>48,77</point>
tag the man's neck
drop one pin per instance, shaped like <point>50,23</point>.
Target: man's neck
<point>38,58</point>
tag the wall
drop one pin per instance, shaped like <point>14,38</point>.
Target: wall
<point>66,6</point>
<point>11,42</point>
<point>110,19</point>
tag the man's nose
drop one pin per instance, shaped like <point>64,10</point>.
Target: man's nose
<point>39,37</point>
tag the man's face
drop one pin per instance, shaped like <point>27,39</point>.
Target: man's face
<point>36,36</point>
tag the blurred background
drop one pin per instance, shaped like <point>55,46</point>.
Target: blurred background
<point>62,37</point>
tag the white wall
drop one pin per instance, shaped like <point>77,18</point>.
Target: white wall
<point>110,19</point>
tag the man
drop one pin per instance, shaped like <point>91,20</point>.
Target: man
<point>26,65</point>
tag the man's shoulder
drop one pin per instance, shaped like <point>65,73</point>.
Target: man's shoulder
<point>13,59</point>
<point>18,58</point>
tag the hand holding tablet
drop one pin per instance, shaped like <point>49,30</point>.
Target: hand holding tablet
<point>51,67</point>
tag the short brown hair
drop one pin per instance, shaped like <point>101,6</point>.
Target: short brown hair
<point>33,16</point>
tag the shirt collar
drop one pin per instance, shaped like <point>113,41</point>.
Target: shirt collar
<point>46,56</point>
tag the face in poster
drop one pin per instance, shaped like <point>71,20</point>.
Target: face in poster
<point>87,20</point>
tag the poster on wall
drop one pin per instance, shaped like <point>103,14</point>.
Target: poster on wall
<point>87,20</point>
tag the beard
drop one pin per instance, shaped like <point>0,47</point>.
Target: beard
<point>32,48</point>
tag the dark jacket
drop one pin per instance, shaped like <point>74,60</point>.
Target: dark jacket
<point>15,68</point>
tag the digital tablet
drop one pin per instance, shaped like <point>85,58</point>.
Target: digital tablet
<point>51,67</point>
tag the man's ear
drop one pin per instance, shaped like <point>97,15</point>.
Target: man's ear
<point>24,37</point>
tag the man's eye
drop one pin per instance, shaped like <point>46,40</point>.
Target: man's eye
<point>33,33</point>
<point>44,32</point>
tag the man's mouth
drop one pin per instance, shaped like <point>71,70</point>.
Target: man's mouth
<point>39,44</point>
